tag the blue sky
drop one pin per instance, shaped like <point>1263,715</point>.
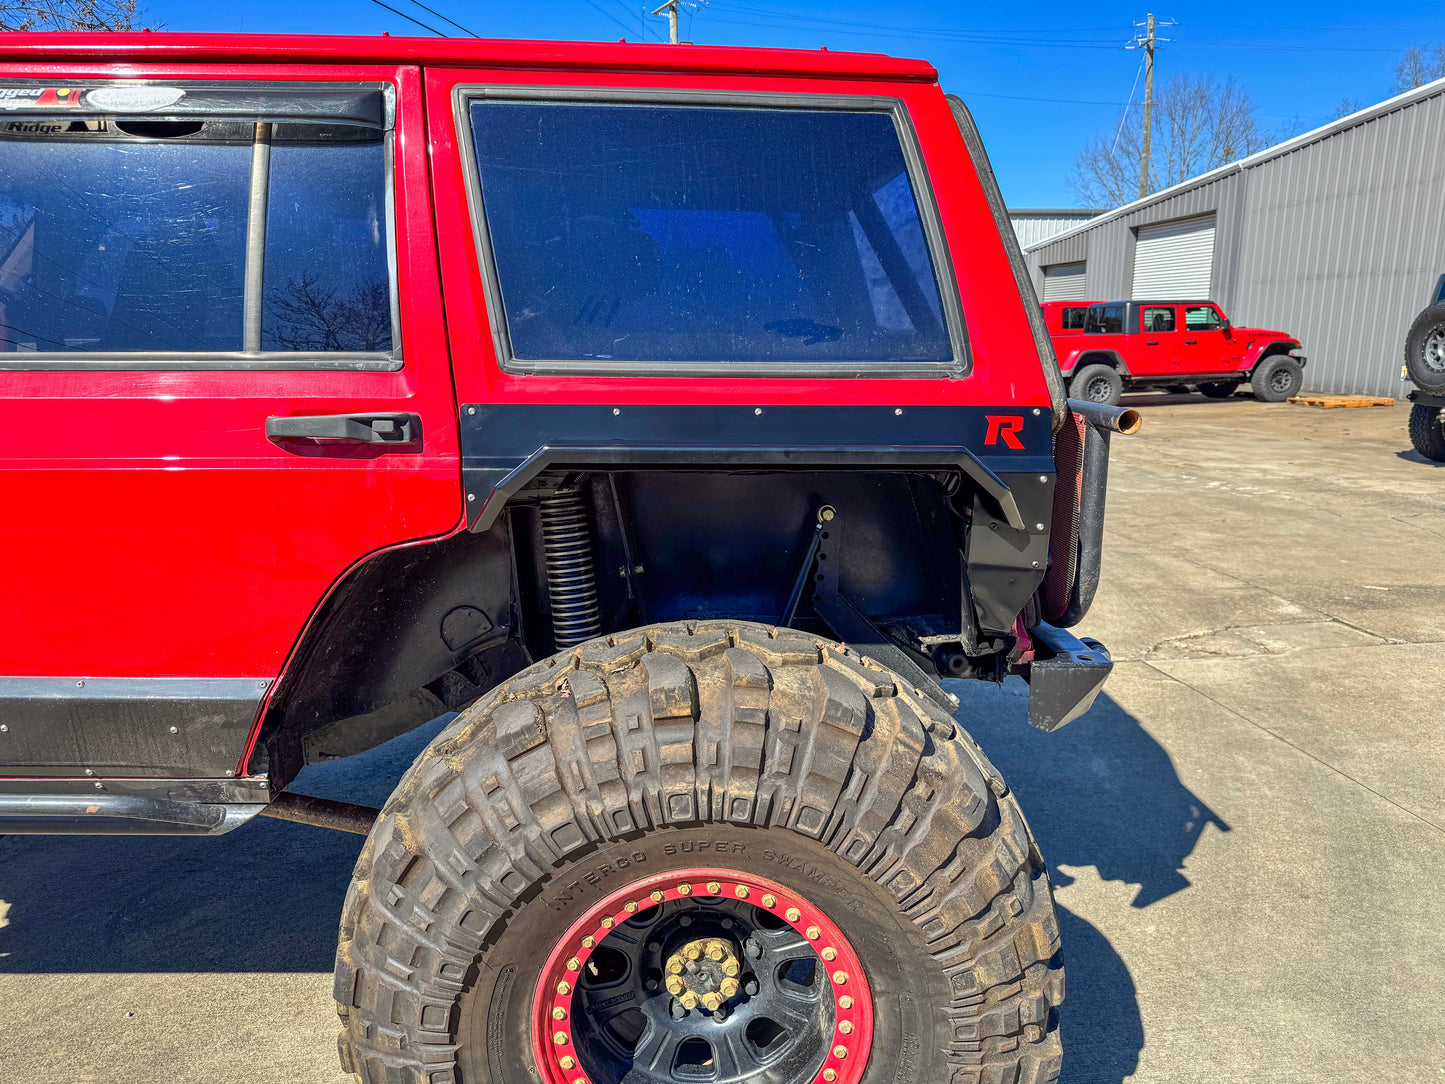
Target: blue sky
<point>1041,78</point>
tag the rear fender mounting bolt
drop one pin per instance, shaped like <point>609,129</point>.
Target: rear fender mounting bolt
<point>473,410</point>
<point>769,900</point>
<point>615,412</point>
<point>757,411</point>
<point>792,914</point>
<point>713,888</point>
<point>898,412</point>
<point>1038,526</point>
<point>830,954</point>
<point>1037,412</point>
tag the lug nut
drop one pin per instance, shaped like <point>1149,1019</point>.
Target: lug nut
<point>751,989</point>
<point>729,988</point>
<point>676,1010</point>
<point>711,1001</point>
<point>753,948</point>
<point>693,952</point>
<point>731,968</point>
<point>675,986</point>
<point>716,950</point>
<point>689,1000</point>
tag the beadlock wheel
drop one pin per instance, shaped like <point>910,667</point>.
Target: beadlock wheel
<point>703,975</point>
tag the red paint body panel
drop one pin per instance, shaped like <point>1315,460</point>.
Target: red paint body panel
<point>154,531</point>
<point>1179,355</point>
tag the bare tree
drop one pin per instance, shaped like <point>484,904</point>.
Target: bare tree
<point>308,315</point>
<point>70,15</point>
<point>1419,66</point>
<point>1346,107</point>
<point>1199,123</point>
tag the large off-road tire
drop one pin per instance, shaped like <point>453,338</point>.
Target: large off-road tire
<point>1425,349</point>
<point>1426,432</point>
<point>1276,378</point>
<point>1219,389</point>
<point>531,887</point>
<point>1097,384</point>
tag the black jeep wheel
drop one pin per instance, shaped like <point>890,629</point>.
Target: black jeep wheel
<point>712,852</point>
<point>1097,384</point>
<point>1425,349</point>
<point>1276,379</point>
<point>1427,433</point>
<point>1219,389</point>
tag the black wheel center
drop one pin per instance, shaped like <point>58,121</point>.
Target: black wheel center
<point>703,989</point>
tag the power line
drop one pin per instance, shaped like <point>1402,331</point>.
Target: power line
<point>1147,42</point>
<point>608,15</point>
<point>444,19</point>
<point>408,18</point>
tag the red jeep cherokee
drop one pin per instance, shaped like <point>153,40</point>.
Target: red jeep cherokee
<point>1104,347</point>
<point>602,393</point>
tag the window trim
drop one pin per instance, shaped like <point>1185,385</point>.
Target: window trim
<point>464,94</point>
<point>244,359</point>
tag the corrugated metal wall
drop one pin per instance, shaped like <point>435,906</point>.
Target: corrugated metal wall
<point>1032,228</point>
<point>1337,239</point>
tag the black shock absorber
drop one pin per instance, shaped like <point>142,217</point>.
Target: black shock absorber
<point>571,577</point>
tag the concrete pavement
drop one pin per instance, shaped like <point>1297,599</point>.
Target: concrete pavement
<point>1247,832</point>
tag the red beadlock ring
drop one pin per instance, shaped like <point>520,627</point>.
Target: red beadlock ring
<point>852,1038</point>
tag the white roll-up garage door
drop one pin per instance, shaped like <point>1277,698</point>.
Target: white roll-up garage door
<point>1064,282</point>
<point>1174,260</point>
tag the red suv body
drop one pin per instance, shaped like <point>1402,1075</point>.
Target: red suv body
<point>1105,347</point>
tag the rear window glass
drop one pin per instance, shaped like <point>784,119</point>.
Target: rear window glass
<point>130,237</point>
<point>697,234</point>
<point>1105,319</point>
<point>1073,318</point>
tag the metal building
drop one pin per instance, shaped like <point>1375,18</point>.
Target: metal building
<point>1336,236</point>
<point>1035,224</point>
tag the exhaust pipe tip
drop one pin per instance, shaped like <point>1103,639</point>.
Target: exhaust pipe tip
<point>1130,421</point>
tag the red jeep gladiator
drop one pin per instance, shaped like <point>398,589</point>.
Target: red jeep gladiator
<point>1106,347</point>
<point>679,416</point>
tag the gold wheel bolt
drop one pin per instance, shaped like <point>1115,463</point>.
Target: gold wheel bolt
<point>716,950</point>
<point>564,988</point>
<point>830,1075</point>
<point>840,1051</point>
<point>674,966</point>
<point>559,1013</point>
<point>588,942</point>
<point>813,933</point>
<point>689,1000</point>
<point>729,987</point>
<point>608,923</point>
<point>656,896</point>
<point>685,889</point>
<point>845,1002</point>
<point>730,968</point>
<point>846,1027</point>
<point>713,888</point>
<point>560,1038</point>
<point>743,892</point>
<point>568,1062</point>
<point>711,1002</point>
<point>792,914</point>
<point>675,986</point>
<point>574,964</point>
<point>840,977</point>
<point>629,907</point>
<point>830,954</point>
<point>769,900</point>
<point>692,952</point>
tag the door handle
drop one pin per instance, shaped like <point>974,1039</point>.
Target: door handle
<point>1151,342</point>
<point>392,429</point>
<point>1190,342</point>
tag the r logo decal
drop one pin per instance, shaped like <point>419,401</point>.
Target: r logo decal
<point>1006,428</point>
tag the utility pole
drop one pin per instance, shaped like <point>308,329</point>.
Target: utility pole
<point>671,8</point>
<point>1147,41</point>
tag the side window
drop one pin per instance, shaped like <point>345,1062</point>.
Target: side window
<point>1073,318</point>
<point>1105,319</point>
<point>126,237</point>
<point>761,235</point>
<point>1157,319</point>
<point>1201,318</point>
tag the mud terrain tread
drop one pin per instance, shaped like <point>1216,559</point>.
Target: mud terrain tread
<point>1426,433</point>
<point>679,725</point>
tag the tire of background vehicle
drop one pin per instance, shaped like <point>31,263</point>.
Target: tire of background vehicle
<point>1219,389</point>
<point>1276,379</point>
<point>1097,384</point>
<point>1426,432</point>
<point>1425,349</point>
<point>728,751</point>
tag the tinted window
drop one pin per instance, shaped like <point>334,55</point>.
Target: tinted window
<point>1201,318</point>
<point>120,245</point>
<point>1105,319</point>
<point>1157,319</point>
<point>130,236</point>
<point>326,249</point>
<point>675,233</point>
<point>1073,318</point>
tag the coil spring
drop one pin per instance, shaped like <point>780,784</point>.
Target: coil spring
<point>571,577</point>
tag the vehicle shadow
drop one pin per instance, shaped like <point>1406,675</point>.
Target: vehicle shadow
<point>263,898</point>
<point>1100,792</point>
<point>1412,456</point>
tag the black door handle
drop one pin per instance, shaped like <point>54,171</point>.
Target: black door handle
<point>393,429</point>
<point>1190,342</point>
<point>1151,342</point>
